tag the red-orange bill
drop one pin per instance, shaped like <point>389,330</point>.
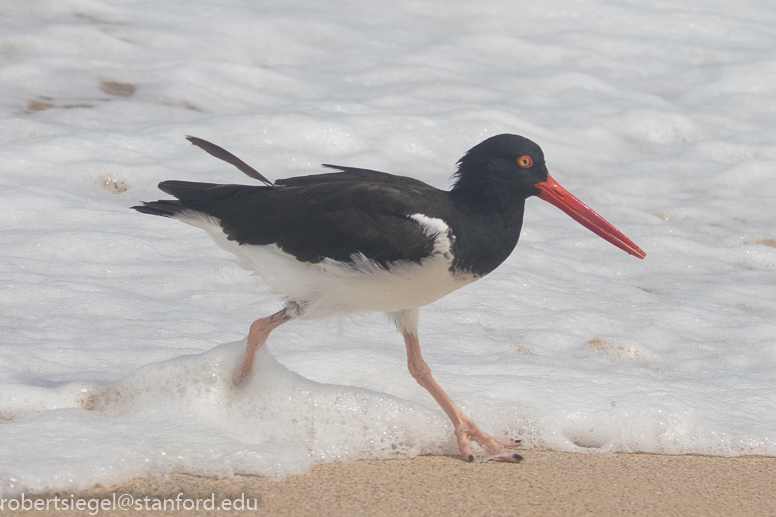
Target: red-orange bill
<point>584,215</point>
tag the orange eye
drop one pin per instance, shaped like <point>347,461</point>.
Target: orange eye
<point>525,161</point>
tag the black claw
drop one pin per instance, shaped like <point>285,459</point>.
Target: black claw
<point>517,457</point>
<point>471,458</point>
<point>518,441</point>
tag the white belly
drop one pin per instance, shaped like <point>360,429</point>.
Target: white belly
<point>332,288</point>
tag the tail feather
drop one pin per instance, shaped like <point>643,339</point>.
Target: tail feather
<point>164,208</point>
<point>186,191</point>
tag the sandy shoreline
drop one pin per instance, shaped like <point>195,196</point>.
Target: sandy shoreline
<point>546,484</point>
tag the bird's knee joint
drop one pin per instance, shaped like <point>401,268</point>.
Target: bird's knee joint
<point>420,372</point>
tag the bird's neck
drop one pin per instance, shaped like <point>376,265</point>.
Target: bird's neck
<point>488,230</point>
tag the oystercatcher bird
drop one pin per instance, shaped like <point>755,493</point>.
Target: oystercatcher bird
<point>359,240</point>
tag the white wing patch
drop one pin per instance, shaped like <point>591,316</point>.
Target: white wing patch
<point>438,230</point>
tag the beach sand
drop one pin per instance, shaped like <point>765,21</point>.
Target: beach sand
<point>545,483</point>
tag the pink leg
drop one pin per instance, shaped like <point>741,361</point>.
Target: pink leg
<point>466,430</point>
<point>257,336</point>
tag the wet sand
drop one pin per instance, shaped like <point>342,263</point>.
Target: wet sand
<point>544,484</point>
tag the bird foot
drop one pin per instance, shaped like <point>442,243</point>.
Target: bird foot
<point>257,336</point>
<point>506,458</point>
<point>467,431</point>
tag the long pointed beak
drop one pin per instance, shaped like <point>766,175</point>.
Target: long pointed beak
<point>584,215</point>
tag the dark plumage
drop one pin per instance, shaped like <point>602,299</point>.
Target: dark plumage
<point>359,240</point>
<point>355,210</point>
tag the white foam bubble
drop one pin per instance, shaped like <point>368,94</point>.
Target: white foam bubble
<point>186,415</point>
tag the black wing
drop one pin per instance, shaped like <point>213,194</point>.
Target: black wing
<point>353,174</point>
<point>315,217</point>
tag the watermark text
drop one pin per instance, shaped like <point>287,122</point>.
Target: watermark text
<point>117,501</point>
